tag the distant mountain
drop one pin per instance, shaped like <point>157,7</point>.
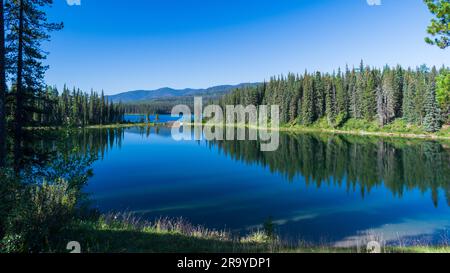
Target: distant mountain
<point>166,93</point>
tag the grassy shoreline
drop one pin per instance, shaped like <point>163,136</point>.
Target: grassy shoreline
<point>444,134</point>
<point>122,233</point>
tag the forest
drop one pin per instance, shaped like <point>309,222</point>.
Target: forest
<point>75,109</point>
<point>419,96</point>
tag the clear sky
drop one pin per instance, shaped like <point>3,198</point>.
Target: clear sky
<point>119,45</point>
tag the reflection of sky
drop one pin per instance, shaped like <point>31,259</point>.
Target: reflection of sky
<point>156,176</point>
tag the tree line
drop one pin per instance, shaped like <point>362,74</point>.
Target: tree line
<point>76,108</point>
<point>419,96</point>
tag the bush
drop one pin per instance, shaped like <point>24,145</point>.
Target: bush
<point>8,192</point>
<point>402,126</point>
<point>340,120</point>
<point>360,124</point>
<point>42,213</point>
<point>12,243</point>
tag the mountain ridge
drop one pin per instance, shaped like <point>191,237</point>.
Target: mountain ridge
<point>139,96</point>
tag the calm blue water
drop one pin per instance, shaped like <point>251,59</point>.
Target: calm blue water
<point>141,118</point>
<point>316,188</point>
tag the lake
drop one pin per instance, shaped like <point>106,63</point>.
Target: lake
<point>137,118</point>
<point>318,188</point>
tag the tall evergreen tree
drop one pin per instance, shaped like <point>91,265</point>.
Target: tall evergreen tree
<point>341,96</point>
<point>28,27</point>
<point>386,98</point>
<point>2,90</point>
<point>432,122</point>
<point>370,87</point>
<point>331,108</point>
<point>308,112</point>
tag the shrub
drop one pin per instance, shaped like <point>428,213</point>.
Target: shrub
<point>43,212</point>
<point>340,120</point>
<point>8,192</point>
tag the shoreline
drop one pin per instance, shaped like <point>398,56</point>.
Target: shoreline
<point>292,129</point>
<point>302,129</point>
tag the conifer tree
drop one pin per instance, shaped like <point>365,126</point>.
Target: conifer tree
<point>308,101</point>
<point>28,28</point>
<point>2,90</point>
<point>432,122</point>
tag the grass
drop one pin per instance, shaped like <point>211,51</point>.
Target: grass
<point>398,128</point>
<point>124,233</point>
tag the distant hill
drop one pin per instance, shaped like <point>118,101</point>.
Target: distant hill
<point>169,94</point>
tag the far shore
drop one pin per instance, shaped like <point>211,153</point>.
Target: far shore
<point>442,135</point>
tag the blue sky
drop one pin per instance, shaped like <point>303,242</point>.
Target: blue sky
<point>147,44</point>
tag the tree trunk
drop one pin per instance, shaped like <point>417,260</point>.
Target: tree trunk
<point>19,111</point>
<point>2,90</point>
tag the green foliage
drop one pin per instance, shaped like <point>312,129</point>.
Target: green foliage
<point>340,120</point>
<point>369,103</point>
<point>8,189</point>
<point>432,121</point>
<point>439,29</point>
<point>443,93</point>
<point>366,93</point>
<point>360,125</point>
<point>39,203</point>
<point>42,213</point>
<point>76,109</point>
<point>308,110</point>
<point>402,126</point>
<point>12,243</point>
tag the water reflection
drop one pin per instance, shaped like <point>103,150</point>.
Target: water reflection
<point>348,161</point>
<point>352,162</point>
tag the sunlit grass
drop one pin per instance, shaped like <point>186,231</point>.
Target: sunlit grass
<point>125,233</point>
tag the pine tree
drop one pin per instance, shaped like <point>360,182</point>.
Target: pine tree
<point>28,27</point>
<point>368,102</point>
<point>365,93</point>
<point>386,98</point>
<point>432,122</point>
<point>2,91</point>
<point>398,91</point>
<point>341,97</point>
<point>319,88</point>
<point>308,101</point>
<point>331,108</point>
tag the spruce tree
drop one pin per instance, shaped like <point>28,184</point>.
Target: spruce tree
<point>2,91</point>
<point>331,108</point>
<point>432,122</point>
<point>368,103</point>
<point>308,101</point>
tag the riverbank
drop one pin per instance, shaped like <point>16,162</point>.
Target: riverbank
<point>125,234</point>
